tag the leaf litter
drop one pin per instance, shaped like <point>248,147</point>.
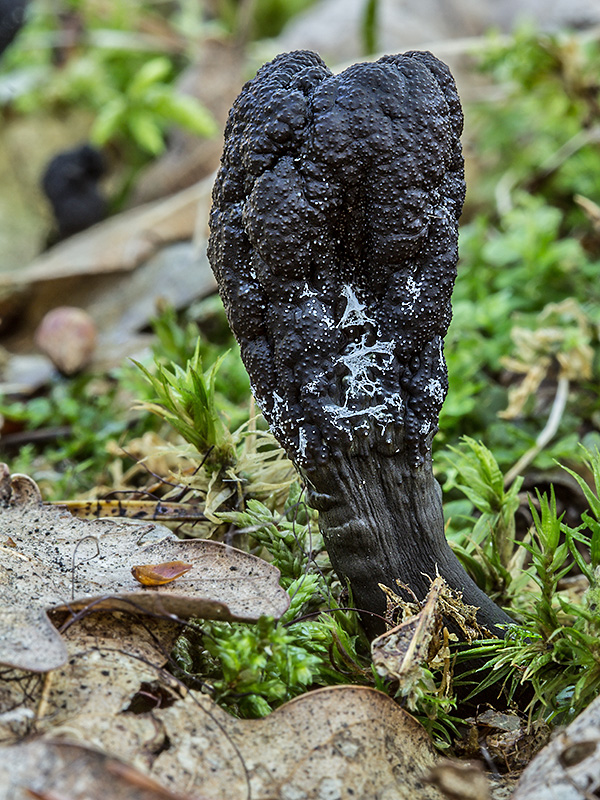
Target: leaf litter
<point>49,560</point>
<point>421,637</point>
<point>111,709</point>
<point>335,742</point>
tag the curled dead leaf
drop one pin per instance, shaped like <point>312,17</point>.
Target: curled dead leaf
<point>159,574</point>
<point>114,695</point>
<point>111,657</point>
<point>63,562</point>
<point>569,766</point>
<point>64,771</point>
<point>338,742</point>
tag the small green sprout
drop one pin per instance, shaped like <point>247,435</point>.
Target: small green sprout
<point>185,398</point>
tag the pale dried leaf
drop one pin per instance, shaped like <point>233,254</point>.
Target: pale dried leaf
<point>63,771</point>
<point>342,741</point>
<point>329,743</point>
<point>334,740</point>
<point>569,767</point>
<point>400,652</point>
<point>111,655</point>
<point>120,243</point>
<point>60,561</point>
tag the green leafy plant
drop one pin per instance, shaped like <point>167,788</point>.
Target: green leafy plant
<point>529,240</point>
<point>146,106</point>
<point>185,398</point>
<point>369,26</point>
<point>205,327</point>
<point>258,20</point>
<point>70,429</point>
<point>119,76</point>
<point>251,669</point>
<point>485,543</point>
<point>556,650</point>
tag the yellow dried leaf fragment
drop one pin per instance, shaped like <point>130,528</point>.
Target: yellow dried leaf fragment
<point>159,574</point>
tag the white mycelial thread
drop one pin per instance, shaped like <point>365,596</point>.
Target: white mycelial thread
<point>362,361</point>
<point>382,414</point>
<point>302,442</point>
<point>307,291</point>
<point>354,313</point>
<point>413,288</point>
<point>316,309</point>
<point>365,365</point>
<point>279,412</point>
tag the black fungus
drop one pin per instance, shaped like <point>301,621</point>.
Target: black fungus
<point>71,184</point>
<point>12,19</point>
<point>334,233</point>
<point>333,239</point>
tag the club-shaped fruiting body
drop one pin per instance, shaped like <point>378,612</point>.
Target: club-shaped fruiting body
<point>334,243</point>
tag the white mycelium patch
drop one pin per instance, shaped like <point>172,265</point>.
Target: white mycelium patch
<point>354,313</point>
<point>413,288</point>
<point>279,413</point>
<point>307,291</point>
<point>434,388</point>
<point>365,366</point>
<point>363,362</point>
<point>302,442</point>
<point>314,308</point>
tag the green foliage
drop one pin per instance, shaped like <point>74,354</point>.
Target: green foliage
<point>526,242</point>
<point>369,26</point>
<point>202,405</point>
<point>176,343</point>
<point>267,16</point>
<point>117,76</point>
<point>551,91</point>
<point>80,416</point>
<point>556,651</point>
<point>185,398</point>
<point>486,542</point>
<point>148,105</point>
<point>291,546</point>
<point>251,669</point>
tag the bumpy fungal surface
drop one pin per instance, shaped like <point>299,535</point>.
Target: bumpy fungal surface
<point>334,242</point>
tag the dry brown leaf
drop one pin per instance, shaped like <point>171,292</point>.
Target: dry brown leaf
<point>419,640</point>
<point>400,652</point>
<point>135,509</point>
<point>112,656</point>
<point>159,574</point>
<point>122,242</point>
<point>459,780</point>
<point>62,771</point>
<point>60,561</point>
<point>113,694</point>
<point>339,742</point>
<point>564,334</point>
<point>569,767</point>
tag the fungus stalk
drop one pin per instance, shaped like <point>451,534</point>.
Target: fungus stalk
<point>334,243</point>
